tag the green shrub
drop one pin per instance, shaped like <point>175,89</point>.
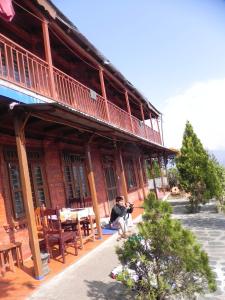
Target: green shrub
<point>166,257</point>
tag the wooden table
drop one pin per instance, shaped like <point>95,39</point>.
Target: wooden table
<point>79,217</point>
<point>6,256</point>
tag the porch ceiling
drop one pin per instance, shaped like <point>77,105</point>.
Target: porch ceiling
<point>60,121</point>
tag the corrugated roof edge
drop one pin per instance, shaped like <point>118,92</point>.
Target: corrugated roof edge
<point>62,18</point>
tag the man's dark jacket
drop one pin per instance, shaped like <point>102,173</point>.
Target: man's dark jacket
<point>119,211</point>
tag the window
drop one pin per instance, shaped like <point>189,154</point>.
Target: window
<point>75,176</point>
<point>130,174</point>
<point>110,178</point>
<point>16,190</point>
<point>36,178</point>
<point>3,68</point>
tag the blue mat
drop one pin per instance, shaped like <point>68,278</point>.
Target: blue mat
<point>106,231</point>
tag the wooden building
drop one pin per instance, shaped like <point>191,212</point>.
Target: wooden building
<point>72,127</point>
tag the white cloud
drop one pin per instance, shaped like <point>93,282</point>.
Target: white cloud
<point>203,105</point>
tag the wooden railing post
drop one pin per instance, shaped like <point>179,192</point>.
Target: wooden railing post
<point>48,57</point>
<point>122,176</point>
<point>159,136</point>
<point>104,95</point>
<point>91,180</point>
<point>27,196</point>
<point>143,119</point>
<point>129,110</point>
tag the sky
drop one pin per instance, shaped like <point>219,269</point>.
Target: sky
<point>172,51</point>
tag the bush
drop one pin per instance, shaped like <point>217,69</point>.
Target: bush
<point>165,257</point>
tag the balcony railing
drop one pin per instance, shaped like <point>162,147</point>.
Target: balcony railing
<point>24,69</point>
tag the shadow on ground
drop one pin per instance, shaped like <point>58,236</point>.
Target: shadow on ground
<point>98,290</point>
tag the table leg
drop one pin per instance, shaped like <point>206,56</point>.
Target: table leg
<point>2,264</point>
<point>80,234</point>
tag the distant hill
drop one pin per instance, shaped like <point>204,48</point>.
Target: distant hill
<point>220,156</point>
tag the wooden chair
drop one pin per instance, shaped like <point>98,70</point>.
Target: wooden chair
<point>54,234</point>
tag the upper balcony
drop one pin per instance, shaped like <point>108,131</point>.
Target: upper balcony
<point>23,68</point>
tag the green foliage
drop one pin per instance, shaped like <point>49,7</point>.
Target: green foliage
<point>173,177</point>
<point>165,256</point>
<point>198,172</point>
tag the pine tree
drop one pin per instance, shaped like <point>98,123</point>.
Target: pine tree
<point>196,170</point>
<point>165,257</point>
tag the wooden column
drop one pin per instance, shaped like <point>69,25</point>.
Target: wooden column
<point>142,177</point>
<point>143,119</point>
<point>153,177</point>
<point>48,57</point>
<point>153,131</point>
<point>150,117</point>
<point>91,180</point>
<point>157,121</point>
<point>129,110</point>
<point>27,196</point>
<point>104,95</point>
<point>123,178</point>
<point>162,137</point>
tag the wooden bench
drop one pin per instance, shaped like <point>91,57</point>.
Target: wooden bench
<point>7,254</point>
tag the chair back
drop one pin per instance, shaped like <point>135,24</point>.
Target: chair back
<point>37,213</point>
<point>87,202</point>
<point>50,220</point>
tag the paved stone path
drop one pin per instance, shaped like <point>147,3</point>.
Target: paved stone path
<point>209,227</point>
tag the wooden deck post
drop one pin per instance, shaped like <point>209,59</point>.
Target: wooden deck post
<point>153,178</point>
<point>91,180</point>
<point>27,196</point>
<point>48,57</point>
<point>157,121</point>
<point>143,119</point>
<point>153,132</point>
<point>123,178</point>
<point>142,177</point>
<point>104,95</point>
<point>129,110</point>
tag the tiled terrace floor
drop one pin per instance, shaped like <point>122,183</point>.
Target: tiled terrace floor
<point>19,285</point>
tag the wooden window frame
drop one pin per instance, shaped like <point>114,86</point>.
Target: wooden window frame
<point>72,160</point>
<point>130,161</point>
<point>106,161</point>
<point>38,160</point>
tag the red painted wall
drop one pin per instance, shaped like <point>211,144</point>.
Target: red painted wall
<point>12,230</point>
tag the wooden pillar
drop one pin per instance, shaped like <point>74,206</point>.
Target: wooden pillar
<point>143,119</point>
<point>157,121</point>
<point>162,137</point>
<point>129,110</point>
<point>153,131</point>
<point>101,76</point>
<point>150,117</point>
<point>27,196</point>
<point>161,175</point>
<point>142,177</point>
<point>153,177</point>
<point>91,180</point>
<point>123,178</point>
<point>48,57</point>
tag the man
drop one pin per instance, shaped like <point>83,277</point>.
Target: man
<point>119,216</point>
